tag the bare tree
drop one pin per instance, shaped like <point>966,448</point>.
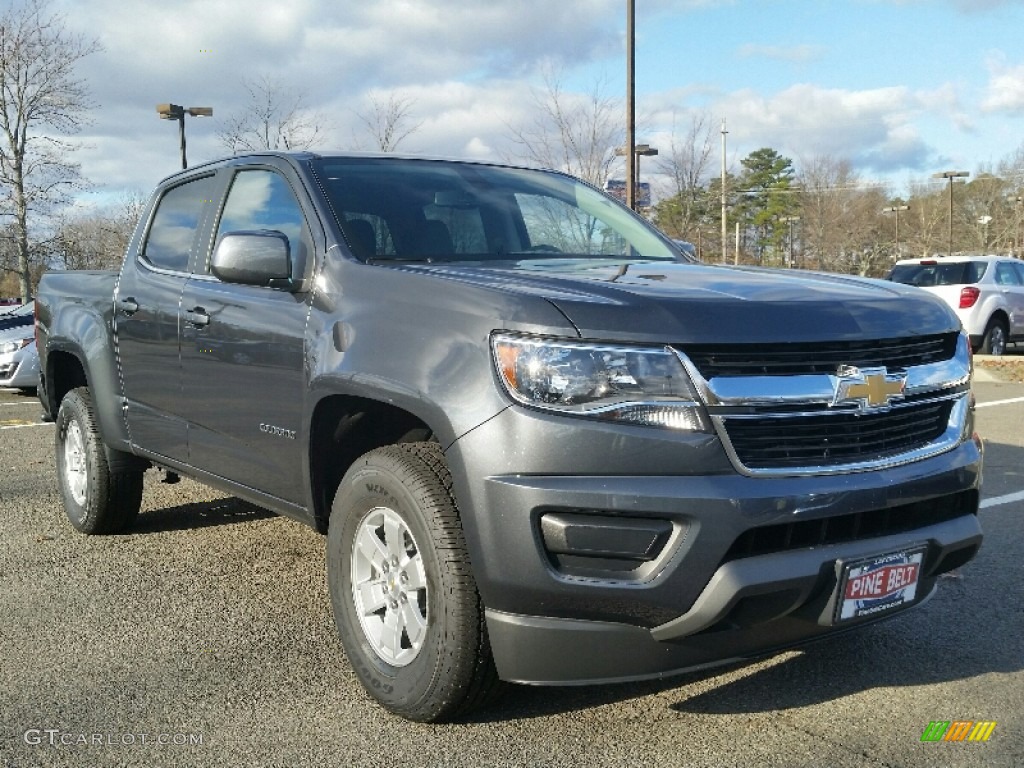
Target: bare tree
<point>41,101</point>
<point>576,133</point>
<point>835,212</point>
<point>985,217</point>
<point>96,238</point>
<point>275,116</point>
<point>686,165</point>
<point>927,219</point>
<point>389,121</point>
<point>1011,168</point>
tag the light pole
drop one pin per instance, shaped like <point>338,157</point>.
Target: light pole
<point>896,209</point>
<point>950,175</point>
<point>630,104</point>
<point>176,112</point>
<point>645,150</point>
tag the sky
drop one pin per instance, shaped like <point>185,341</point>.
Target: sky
<point>900,88</point>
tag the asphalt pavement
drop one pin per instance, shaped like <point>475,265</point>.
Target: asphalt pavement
<point>204,638</point>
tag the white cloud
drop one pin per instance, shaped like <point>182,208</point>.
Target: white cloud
<point>869,125</point>
<point>1005,90</point>
<point>467,67</point>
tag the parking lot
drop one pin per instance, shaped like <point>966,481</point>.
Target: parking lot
<point>204,637</point>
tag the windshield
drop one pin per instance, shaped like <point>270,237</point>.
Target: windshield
<point>931,273</point>
<point>426,210</point>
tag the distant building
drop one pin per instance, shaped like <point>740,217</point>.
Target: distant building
<point>617,188</point>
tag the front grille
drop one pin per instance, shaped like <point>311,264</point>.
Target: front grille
<point>7,371</point>
<point>833,439</point>
<point>853,527</point>
<point>802,358</point>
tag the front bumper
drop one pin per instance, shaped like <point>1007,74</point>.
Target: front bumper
<point>706,591</point>
<point>20,369</point>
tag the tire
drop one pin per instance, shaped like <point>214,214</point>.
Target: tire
<point>405,602</point>
<point>994,340</point>
<point>96,500</point>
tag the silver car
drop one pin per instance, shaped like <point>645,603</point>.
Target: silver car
<point>986,292</point>
<point>19,360</point>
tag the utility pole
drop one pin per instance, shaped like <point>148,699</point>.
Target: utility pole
<point>630,106</point>
<point>791,220</point>
<point>725,247</point>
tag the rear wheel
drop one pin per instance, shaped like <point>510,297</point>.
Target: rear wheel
<point>994,341</point>
<point>96,499</point>
<point>404,598</point>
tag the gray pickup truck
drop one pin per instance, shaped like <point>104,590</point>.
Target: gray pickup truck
<point>545,446</point>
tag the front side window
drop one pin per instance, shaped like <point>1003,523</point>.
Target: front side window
<point>169,242</point>
<point>262,200</point>
<point>1006,274</point>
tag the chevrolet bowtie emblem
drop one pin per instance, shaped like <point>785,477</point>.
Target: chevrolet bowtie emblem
<point>871,388</point>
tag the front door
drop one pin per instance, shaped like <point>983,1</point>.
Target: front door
<point>242,352</point>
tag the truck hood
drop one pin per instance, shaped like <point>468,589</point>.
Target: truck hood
<point>681,303</point>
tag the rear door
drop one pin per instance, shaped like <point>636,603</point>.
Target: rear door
<point>242,351</point>
<point>1010,282</point>
<point>147,302</point>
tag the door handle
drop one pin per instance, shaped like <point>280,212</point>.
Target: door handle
<point>129,306</point>
<point>197,316</point>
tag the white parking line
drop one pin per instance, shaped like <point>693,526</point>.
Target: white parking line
<point>25,426</point>
<point>1000,402</point>
<point>996,501</point>
<point>27,402</point>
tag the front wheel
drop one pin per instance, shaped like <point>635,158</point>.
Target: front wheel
<point>994,341</point>
<point>404,598</point>
<point>96,499</point>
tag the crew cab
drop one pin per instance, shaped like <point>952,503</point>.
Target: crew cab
<point>543,445</point>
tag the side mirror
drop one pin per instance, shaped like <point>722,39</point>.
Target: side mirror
<point>258,257</point>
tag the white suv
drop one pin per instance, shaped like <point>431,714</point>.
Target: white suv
<point>987,293</point>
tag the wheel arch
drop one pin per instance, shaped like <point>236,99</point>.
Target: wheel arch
<point>65,372</point>
<point>1002,316</point>
<point>343,428</point>
<point>67,369</point>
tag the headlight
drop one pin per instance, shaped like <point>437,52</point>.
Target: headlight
<point>635,385</point>
<point>13,346</point>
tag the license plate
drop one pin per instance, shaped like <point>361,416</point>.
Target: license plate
<point>878,584</point>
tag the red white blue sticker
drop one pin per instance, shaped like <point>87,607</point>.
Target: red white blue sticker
<point>880,584</point>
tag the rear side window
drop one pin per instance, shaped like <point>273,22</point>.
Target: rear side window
<point>937,273</point>
<point>169,242</point>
